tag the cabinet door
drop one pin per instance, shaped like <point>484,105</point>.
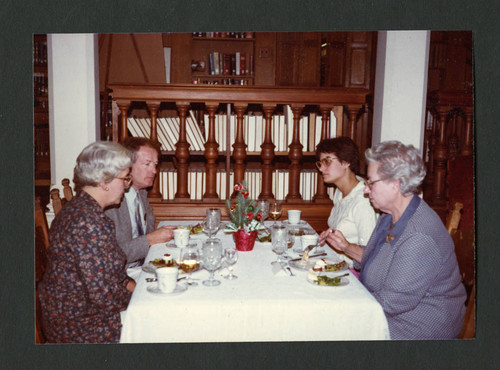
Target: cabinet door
<point>298,58</point>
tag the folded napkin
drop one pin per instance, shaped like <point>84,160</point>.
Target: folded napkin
<point>279,271</point>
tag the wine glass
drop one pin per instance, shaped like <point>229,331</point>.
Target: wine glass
<point>230,256</point>
<point>279,236</point>
<point>189,261</point>
<point>275,211</point>
<point>212,221</point>
<point>212,258</point>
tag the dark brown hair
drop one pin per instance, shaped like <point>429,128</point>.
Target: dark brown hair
<point>344,148</point>
<point>133,144</point>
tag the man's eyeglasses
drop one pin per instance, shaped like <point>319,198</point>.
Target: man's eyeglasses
<point>126,180</point>
<point>325,162</point>
<point>370,183</point>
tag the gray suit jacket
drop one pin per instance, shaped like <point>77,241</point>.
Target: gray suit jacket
<point>137,248</point>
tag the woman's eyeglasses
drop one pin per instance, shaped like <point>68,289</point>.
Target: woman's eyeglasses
<point>370,183</point>
<point>126,180</point>
<point>325,162</point>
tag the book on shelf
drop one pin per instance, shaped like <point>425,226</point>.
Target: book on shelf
<point>238,63</point>
<point>243,64</point>
<point>227,64</point>
<point>216,63</point>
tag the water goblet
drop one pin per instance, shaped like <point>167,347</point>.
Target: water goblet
<point>275,211</point>
<point>230,256</point>
<point>212,221</point>
<point>189,261</point>
<point>279,236</point>
<point>211,259</point>
<point>264,209</point>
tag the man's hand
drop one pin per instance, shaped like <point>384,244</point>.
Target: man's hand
<point>161,235</point>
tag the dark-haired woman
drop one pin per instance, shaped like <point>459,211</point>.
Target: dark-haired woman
<point>352,213</point>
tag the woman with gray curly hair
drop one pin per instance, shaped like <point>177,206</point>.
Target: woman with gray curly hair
<point>409,263</point>
<point>86,286</point>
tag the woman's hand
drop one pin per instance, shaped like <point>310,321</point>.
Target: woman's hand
<point>335,238</point>
<point>131,285</point>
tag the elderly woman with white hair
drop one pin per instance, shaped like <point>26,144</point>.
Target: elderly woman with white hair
<point>86,286</point>
<point>409,263</point>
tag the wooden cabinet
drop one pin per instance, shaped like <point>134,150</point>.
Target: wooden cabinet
<point>298,58</point>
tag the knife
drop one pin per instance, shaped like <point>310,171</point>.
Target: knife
<point>314,255</point>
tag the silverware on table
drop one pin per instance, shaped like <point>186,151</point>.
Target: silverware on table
<point>150,280</point>
<point>314,255</point>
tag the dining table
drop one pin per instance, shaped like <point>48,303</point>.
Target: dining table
<point>264,304</point>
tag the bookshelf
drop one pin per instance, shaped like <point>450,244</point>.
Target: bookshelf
<point>223,58</point>
<point>41,111</point>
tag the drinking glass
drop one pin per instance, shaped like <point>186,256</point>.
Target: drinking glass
<point>230,256</point>
<point>189,261</point>
<point>279,236</point>
<point>212,221</point>
<point>211,258</point>
<point>264,209</point>
<point>275,211</point>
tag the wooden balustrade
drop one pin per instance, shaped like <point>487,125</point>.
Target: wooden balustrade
<point>449,132</point>
<point>350,100</point>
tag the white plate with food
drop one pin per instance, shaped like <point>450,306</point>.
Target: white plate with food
<point>329,265</point>
<point>166,261</point>
<point>325,280</point>
<point>180,288</point>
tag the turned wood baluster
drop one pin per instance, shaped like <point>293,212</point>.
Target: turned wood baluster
<point>153,108</point>
<point>321,195</point>
<point>182,154</point>
<point>295,155</point>
<point>467,144</point>
<point>429,178</point>
<point>453,137</point>
<point>211,154</point>
<point>123,105</point>
<point>353,114</point>
<point>267,155</point>
<point>440,158</point>
<point>239,146</point>
<point>115,112</point>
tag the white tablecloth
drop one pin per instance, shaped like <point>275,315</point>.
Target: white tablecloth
<point>258,306</point>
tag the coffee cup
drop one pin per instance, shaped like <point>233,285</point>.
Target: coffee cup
<point>181,237</point>
<point>294,216</point>
<point>167,278</point>
<point>309,239</point>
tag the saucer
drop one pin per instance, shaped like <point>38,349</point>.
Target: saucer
<point>180,288</point>
<point>300,223</point>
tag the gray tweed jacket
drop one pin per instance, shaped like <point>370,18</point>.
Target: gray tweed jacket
<point>137,248</point>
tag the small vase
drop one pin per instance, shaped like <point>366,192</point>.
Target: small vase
<point>244,241</point>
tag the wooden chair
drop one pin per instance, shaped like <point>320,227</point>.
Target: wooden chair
<point>41,245</point>
<point>463,238</point>
<point>57,201</point>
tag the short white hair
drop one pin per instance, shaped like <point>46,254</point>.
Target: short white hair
<point>99,162</point>
<point>398,161</point>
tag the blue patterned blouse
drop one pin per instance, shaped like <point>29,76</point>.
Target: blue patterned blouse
<point>84,287</point>
<point>415,276</point>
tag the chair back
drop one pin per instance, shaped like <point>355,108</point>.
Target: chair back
<point>41,246</point>
<point>57,201</point>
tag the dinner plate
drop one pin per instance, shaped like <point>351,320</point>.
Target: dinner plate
<point>302,265</point>
<point>180,288</point>
<point>343,282</point>
<point>329,261</point>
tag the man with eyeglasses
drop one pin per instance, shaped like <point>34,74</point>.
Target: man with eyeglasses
<point>133,218</point>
